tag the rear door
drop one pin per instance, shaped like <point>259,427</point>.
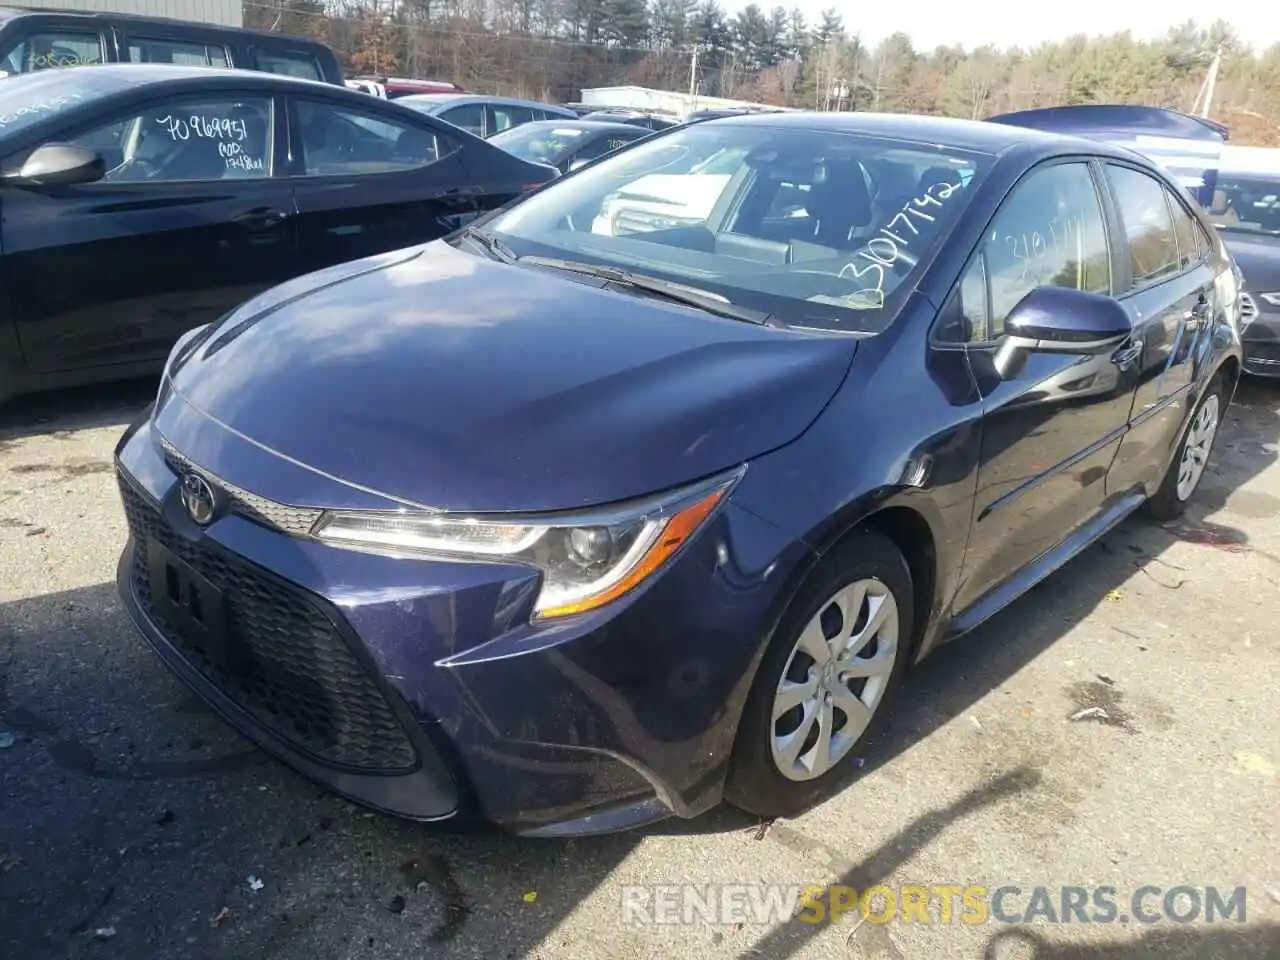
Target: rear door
<point>370,179</point>
<point>1168,286</point>
<point>187,223</point>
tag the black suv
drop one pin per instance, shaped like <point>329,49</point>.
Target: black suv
<point>33,40</point>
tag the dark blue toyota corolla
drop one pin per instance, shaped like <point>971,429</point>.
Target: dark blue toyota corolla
<point>642,493</point>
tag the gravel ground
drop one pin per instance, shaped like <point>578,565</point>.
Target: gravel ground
<point>135,825</point>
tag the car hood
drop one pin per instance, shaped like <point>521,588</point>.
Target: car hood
<point>449,380</point>
<point>1258,258</point>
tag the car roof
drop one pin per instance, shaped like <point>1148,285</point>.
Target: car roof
<point>172,72</point>
<point>595,126</point>
<point>977,136</point>
<point>443,98</point>
<point>11,13</point>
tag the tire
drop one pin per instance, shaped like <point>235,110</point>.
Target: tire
<point>756,781</point>
<point>1170,501</point>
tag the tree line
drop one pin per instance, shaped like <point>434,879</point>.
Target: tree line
<point>551,49</point>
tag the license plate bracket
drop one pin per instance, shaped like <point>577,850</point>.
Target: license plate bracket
<point>191,605</point>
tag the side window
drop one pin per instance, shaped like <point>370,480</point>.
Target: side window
<point>1148,226</point>
<point>1049,232</point>
<point>504,118</point>
<point>301,65</point>
<point>340,141</point>
<point>468,116</point>
<point>1184,229</point>
<point>143,50</point>
<point>206,139</point>
<point>42,51</point>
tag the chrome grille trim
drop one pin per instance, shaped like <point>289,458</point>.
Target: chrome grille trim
<point>295,521</point>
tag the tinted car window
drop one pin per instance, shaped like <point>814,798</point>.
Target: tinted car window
<point>1148,226</point>
<point>338,141</point>
<point>1184,230</point>
<point>142,50</point>
<point>468,116</point>
<point>504,118</point>
<point>289,64</point>
<point>844,269</point>
<point>206,139</point>
<point>1049,232</point>
<point>543,142</point>
<point>602,146</point>
<point>42,51</point>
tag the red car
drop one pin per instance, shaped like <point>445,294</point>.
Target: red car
<point>392,88</point>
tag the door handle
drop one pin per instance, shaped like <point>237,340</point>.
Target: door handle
<point>260,219</point>
<point>1127,354</point>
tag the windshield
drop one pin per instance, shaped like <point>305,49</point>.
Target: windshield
<point>547,143</point>
<point>820,229</point>
<point>1246,203</point>
<point>31,97</point>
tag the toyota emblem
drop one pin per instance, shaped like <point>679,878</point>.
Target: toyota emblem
<point>198,498</point>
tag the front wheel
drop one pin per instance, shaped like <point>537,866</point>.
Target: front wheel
<point>825,680</point>
<point>1187,469</point>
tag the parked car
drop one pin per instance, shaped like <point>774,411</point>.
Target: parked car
<point>573,532</point>
<point>566,144</point>
<point>1246,211</point>
<point>142,201</point>
<point>393,88</point>
<point>33,40</point>
<point>484,116</point>
<point>650,121</point>
<point>1237,187</point>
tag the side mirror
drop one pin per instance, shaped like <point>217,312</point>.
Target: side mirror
<point>61,164</point>
<point>1060,320</point>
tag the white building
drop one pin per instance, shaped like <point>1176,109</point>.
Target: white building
<point>227,13</point>
<point>664,101</point>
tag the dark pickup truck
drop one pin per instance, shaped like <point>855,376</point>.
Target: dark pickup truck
<point>34,39</point>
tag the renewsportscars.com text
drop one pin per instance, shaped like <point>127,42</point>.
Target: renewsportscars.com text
<point>939,903</point>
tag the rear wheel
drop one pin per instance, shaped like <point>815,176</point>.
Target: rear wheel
<point>1188,467</point>
<point>825,681</point>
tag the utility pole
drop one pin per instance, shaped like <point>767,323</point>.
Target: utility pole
<point>693,80</point>
<point>1206,89</point>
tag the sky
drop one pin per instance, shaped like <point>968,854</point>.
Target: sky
<point>1006,23</point>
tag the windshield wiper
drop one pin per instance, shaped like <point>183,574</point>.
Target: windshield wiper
<point>491,244</point>
<point>666,289</point>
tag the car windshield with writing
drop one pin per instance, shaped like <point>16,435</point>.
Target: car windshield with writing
<point>1246,203</point>
<point>29,98</point>
<point>817,229</point>
<point>547,143</point>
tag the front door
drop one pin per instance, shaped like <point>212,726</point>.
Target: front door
<point>1171,298</point>
<point>187,223</point>
<point>1049,432</point>
<point>365,182</point>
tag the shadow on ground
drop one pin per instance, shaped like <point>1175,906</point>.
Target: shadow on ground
<point>1257,942</point>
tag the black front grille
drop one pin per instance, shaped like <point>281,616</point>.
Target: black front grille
<point>297,675</point>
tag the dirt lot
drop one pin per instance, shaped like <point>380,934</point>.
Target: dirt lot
<point>134,825</point>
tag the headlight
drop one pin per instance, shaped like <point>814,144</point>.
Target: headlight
<point>587,559</point>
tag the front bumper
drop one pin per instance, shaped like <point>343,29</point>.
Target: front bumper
<point>1261,344</point>
<point>419,687</point>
